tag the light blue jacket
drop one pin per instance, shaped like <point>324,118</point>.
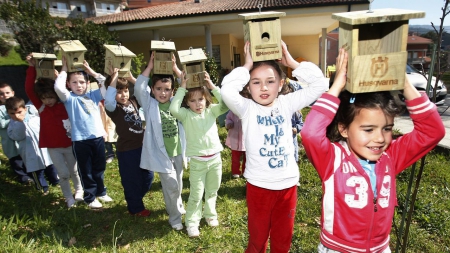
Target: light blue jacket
<point>10,147</point>
<point>26,134</point>
<point>154,155</point>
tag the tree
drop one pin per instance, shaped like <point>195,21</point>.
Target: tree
<point>36,31</point>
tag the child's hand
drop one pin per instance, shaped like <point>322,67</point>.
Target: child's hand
<point>410,92</point>
<point>130,78</point>
<point>151,63</point>
<point>56,73</point>
<point>209,84</point>
<point>248,56</point>
<point>64,64</point>
<point>149,67</point>
<point>183,80</point>
<point>175,67</point>
<point>31,61</point>
<point>294,131</point>
<point>340,78</point>
<point>287,59</point>
<point>229,125</point>
<point>89,71</point>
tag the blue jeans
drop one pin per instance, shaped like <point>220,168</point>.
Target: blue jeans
<point>136,182</point>
<point>90,156</point>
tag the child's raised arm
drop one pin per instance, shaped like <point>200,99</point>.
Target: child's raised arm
<point>287,59</point>
<point>341,73</point>
<point>89,70</point>
<point>60,82</point>
<point>110,97</point>
<point>175,68</point>
<point>141,89</point>
<point>209,84</point>
<point>410,92</point>
<point>248,56</point>
<point>30,81</point>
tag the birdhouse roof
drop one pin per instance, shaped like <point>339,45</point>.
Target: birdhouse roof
<point>71,45</point>
<point>162,45</point>
<point>265,14</point>
<point>377,16</point>
<point>58,63</point>
<point>44,56</point>
<point>191,55</point>
<point>119,50</point>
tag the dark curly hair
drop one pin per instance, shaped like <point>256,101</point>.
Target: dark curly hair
<point>347,111</point>
<point>44,88</point>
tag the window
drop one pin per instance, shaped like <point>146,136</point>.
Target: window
<point>59,6</point>
<point>81,8</point>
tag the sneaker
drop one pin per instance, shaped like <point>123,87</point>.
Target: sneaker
<point>95,204</point>
<point>236,175</point>
<point>70,202</point>
<point>79,196</point>
<point>178,227</point>
<point>143,213</point>
<point>105,198</point>
<point>193,231</point>
<point>212,222</point>
<point>109,159</point>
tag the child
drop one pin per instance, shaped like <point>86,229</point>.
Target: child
<point>357,160</point>
<point>203,147</point>
<point>24,128</point>
<point>236,143</point>
<point>164,145</point>
<point>86,130</point>
<point>111,135</point>
<point>9,147</point>
<point>271,171</point>
<point>124,112</point>
<point>54,133</point>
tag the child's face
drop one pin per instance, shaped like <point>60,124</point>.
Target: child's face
<point>197,102</point>
<point>162,91</point>
<point>6,93</point>
<point>122,96</point>
<point>77,84</point>
<point>49,101</point>
<point>18,115</point>
<point>369,134</point>
<point>265,83</point>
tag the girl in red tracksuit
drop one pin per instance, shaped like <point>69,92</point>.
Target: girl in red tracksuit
<point>357,160</point>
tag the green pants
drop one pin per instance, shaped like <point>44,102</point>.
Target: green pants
<point>205,176</point>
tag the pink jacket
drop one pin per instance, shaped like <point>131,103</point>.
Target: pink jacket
<point>234,138</point>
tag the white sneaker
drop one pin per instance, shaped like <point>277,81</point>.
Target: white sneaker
<point>193,231</point>
<point>79,196</point>
<point>178,227</point>
<point>95,204</point>
<point>212,222</point>
<point>236,175</point>
<point>105,198</point>
<point>109,159</point>
<point>70,202</point>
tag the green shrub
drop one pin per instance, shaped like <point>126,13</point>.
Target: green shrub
<point>5,47</point>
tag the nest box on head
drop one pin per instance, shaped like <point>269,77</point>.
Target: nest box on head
<point>163,52</point>
<point>45,65</point>
<point>263,30</point>
<point>193,61</point>
<point>73,51</point>
<point>118,56</point>
<point>376,44</point>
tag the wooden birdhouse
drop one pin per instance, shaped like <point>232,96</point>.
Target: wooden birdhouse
<point>263,30</point>
<point>193,61</point>
<point>118,56</point>
<point>45,65</point>
<point>73,51</point>
<point>163,51</point>
<point>376,44</point>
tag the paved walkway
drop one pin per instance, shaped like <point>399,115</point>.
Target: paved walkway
<point>405,125</point>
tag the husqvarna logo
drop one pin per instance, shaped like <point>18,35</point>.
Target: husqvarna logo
<point>379,66</point>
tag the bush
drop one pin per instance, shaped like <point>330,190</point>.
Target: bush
<point>5,47</point>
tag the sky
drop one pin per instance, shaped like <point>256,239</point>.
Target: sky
<point>432,9</point>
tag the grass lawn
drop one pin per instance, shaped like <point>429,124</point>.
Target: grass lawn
<point>31,222</point>
<point>13,59</point>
